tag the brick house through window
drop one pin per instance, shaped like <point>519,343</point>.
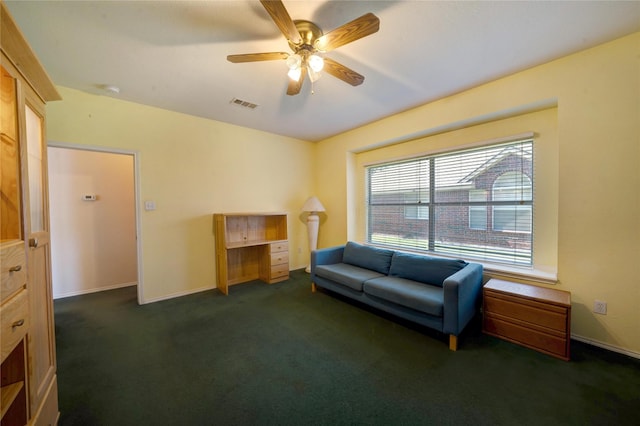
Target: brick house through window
<point>471,204</point>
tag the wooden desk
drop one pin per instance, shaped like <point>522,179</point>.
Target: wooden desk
<point>251,246</point>
<point>536,317</point>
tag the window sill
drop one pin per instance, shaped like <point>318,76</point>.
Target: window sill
<point>519,274</point>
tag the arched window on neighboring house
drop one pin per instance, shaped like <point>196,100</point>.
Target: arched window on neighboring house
<point>514,191</point>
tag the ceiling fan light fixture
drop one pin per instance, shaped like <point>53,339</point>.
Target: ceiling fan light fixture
<point>294,61</point>
<point>316,63</point>
<point>294,73</point>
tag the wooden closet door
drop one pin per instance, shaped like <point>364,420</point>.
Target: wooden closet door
<point>41,338</point>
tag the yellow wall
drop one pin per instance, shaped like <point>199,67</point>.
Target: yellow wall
<point>191,167</point>
<point>597,95</point>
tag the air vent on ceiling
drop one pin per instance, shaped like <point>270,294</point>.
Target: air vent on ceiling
<point>245,104</point>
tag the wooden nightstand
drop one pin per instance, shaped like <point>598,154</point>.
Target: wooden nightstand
<point>536,317</point>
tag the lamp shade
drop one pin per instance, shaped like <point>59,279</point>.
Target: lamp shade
<point>313,205</point>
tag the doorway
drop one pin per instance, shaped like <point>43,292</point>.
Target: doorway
<point>94,220</point>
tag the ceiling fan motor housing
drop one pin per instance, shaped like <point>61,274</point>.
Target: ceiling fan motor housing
<point>309,33</point>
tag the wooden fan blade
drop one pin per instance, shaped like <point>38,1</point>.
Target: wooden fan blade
<point>255,57</point>
<point>351,31</point>
<point>281,17</point>
<point>343,73</point>
<point>295,86</point>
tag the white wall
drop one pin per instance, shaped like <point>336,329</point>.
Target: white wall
<point>93,242</point>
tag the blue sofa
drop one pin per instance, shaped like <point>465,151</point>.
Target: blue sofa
<point>442,294</point>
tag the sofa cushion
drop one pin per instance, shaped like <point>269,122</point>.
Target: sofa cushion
<point>367,257</point>
<point>348,275</point>
<point>424,298</point>
<point>424,269</point>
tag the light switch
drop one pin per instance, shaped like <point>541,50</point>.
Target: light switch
<point>149,205</point>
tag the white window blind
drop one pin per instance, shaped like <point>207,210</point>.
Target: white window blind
<point>475,203</point>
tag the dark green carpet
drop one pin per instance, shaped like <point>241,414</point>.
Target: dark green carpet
<point>281,355</point>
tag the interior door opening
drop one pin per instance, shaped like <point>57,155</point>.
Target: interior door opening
<point>94,220</point>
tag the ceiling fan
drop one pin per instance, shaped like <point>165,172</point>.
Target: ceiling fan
<point>308,43</point>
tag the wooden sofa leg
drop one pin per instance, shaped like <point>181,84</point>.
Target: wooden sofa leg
<point>313,287</point>
<point>453,342</point>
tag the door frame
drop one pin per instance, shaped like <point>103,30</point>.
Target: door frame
<point>136,190</point>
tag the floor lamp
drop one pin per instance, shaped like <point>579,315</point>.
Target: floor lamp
<point>312,206</point>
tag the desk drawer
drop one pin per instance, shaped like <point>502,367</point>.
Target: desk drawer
<point>279,271</point>
<point>554,317</point>
<point>280,258</point>
<point>14,322</point>
<point>14,270</point>
<point>278,247</point>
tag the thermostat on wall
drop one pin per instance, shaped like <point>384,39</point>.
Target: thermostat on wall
<point>89,197</point>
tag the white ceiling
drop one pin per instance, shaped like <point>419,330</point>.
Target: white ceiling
<point>172,54</point>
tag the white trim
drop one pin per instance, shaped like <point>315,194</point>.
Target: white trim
<point>179,294</point>
<point>92,290</point>
<point>81,147</point>
<point>136,189</point>
<point>606,346</point>
<point>515,274</point>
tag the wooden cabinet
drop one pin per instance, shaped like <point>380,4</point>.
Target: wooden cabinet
<point>250,246</point>
<point>536,317</point>
<point>278,267</point>
<point>28,371</point>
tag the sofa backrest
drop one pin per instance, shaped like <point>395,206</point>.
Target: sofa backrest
<point>373,258</point>
<point>424,269</point>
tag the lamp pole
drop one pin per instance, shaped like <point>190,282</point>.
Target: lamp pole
<point>313,223</point>
<point>312,206</point>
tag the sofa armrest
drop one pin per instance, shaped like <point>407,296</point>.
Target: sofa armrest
<point>325,256</point>
<point>461,296</point>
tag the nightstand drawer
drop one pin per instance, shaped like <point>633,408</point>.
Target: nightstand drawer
<point>526,336</point>
<point>14,270</point>
<point>553,317</point>
<point>14,322</point>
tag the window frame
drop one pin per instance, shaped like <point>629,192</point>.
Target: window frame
<point>520,257</point>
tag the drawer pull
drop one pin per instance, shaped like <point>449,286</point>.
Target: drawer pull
<point>18,323</point>
<point>16,268</point>
<point>33,242</point>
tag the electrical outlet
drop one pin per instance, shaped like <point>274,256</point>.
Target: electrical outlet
<point>600,307</point>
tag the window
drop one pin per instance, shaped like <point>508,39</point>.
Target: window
<point>477,213</point>
<point>514,187</point>
<point>414,206</point>
<point>474,203</point>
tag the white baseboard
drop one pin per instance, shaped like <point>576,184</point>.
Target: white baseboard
<point>91,290</point>
<point>606,346</point>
